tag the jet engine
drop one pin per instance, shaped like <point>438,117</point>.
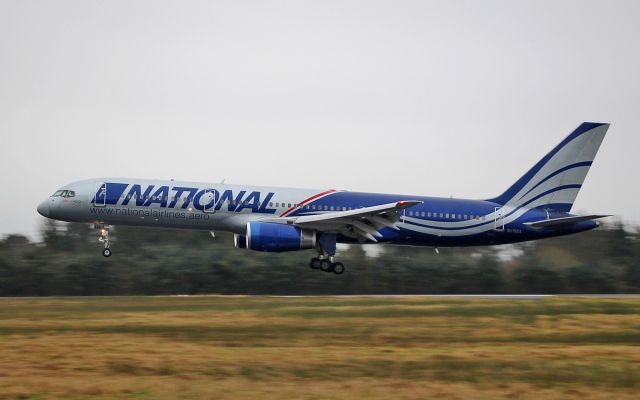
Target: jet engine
<point>273,237</point>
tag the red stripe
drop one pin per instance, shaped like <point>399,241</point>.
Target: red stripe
<point>303,202</point>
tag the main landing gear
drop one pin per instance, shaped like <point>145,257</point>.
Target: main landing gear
<point>327,265</point>
<point>326,248</point>
<point>104,239</point>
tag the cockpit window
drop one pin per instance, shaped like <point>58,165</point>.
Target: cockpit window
<point>64,193</point>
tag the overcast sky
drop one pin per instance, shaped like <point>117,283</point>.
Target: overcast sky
<point>442,98</point>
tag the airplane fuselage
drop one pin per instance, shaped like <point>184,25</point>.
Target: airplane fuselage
<point>435,222</point>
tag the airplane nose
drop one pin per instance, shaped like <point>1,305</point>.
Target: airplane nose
<point>43,208</point>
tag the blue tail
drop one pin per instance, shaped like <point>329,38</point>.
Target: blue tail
<point>554,182</point>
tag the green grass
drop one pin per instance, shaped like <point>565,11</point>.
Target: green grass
<point>319,347</point>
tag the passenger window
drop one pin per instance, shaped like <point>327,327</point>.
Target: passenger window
<point>289,205</point>
<point>446,215</point>
<point>271,204</point>
<point>429,214</point>
<point>422,214</point>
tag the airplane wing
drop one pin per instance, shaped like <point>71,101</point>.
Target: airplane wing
<point>362,223</point>
<point>563,220</point>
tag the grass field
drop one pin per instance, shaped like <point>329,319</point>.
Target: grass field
<point>219,347</point>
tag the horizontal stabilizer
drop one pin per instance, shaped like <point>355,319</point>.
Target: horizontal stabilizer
<point>564,220</point>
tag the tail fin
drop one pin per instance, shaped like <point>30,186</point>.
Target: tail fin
<point>554,182</point>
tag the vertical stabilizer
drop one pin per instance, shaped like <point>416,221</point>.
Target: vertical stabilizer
<point>554,182</point>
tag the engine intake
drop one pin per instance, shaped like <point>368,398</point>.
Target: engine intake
<point>273,237</point>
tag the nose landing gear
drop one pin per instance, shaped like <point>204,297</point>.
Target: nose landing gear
<point>104,239</point>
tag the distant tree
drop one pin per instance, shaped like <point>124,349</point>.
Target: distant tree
<point>488,276</point>
<point>631,275</point>
<point>534,277</point>
<point>167,261</point>
<point>592,278</point>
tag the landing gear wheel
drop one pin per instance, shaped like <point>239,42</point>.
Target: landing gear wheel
<point>315,263</point>
<point>326,265</point>
<point>338,268</point>
<point>106,252</point>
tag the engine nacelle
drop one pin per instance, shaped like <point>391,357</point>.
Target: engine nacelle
<point>272,237</point>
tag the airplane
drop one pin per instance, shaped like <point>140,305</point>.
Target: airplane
<point>275,219</point>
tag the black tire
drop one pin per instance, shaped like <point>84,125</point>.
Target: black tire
<point>326,266</point>
<point>314,263</point>
<point>106,252</point>
<point>338,268</point>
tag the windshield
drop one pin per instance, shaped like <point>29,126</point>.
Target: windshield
<point>64,193</point>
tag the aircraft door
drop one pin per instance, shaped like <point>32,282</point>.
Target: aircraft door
<point>100,199</point>
<point>209,200</point>
<point>498,222</point>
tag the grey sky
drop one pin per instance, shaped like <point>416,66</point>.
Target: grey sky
<point>430,98</point>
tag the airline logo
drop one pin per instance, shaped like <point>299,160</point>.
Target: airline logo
<point>179,197</point>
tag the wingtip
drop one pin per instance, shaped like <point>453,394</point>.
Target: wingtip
<point>408,203</point>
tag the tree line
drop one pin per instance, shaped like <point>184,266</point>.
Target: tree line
<point>67,262</point>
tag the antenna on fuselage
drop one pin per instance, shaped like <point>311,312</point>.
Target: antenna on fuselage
<point>222,183</point>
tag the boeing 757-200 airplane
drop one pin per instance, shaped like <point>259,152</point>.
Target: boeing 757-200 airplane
<point>276,219</point>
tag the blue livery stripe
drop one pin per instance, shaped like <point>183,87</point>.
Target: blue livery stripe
<point>455,228</point>
<point>520,183</point>
<point>561,170</point>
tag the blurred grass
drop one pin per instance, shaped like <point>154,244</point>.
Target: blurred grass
<point>319,347</point>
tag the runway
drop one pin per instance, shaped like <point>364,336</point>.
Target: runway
<point>464,296</point>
